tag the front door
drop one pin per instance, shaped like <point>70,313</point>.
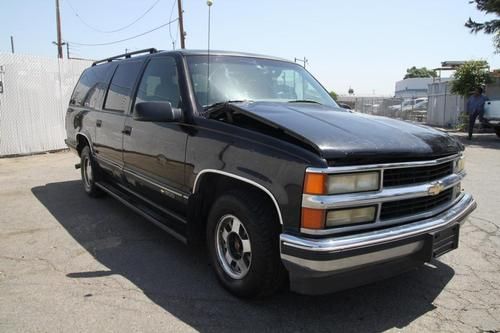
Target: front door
<point>154,152</point>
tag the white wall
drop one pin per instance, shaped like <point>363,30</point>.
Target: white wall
<point>412,88</point>
<point>35,96</point>
<point>444,108</point>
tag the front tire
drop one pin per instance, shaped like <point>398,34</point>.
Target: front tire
<point>90,173</point>
<point>497,131</point>
<point>243,243</point>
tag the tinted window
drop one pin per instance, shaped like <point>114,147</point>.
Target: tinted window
<point>121,85</point>
<point>160,82</point>
<point>92,85</point>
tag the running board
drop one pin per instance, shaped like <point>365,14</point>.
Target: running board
<point>140,208</point>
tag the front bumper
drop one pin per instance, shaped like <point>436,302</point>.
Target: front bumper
<point>314,263</point>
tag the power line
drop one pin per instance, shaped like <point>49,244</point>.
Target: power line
<point>110,31</point>
<point>129,38</point>
<point>170,27</point>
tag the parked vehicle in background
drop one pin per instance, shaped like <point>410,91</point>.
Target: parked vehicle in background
<point>408,104</point>
<point>344,106</point>
<point>251,155</point>
<point>492,115</point>
<point>422,105</point>
<point>413,104</point>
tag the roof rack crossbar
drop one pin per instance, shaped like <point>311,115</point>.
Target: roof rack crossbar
<point>125,55</point>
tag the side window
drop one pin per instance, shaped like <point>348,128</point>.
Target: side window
<point>101,75</point>
<point>89,91</point>
<point>121,85</point>
<point>160,82</point>
<point>81,89</point>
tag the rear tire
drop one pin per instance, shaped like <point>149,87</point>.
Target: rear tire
<point>90,173</point>
<point>497,131</point>
<point>243,243</point>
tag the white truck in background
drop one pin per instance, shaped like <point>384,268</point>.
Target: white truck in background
<point>492,115</point>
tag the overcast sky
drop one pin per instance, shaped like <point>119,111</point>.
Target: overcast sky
<point>364,44</point>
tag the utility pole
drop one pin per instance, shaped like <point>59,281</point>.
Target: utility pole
<point>181,24</point>
<point>67,50</point>
<point>58,24</point>
<point>12,44</point>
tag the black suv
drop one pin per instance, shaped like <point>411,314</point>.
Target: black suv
<point>251,155</point>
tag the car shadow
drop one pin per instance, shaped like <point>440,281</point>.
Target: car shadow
<point>180,280</point>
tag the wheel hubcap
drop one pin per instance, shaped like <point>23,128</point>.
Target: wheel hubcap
<point>87,172</point>
<point>234,250</point>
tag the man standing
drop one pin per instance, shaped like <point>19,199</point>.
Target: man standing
<point>475,108</point>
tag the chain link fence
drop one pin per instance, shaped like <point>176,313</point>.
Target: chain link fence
<point>413,109</point>
<point>34,96</point>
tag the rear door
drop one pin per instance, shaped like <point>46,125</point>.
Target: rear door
<point>154,152</point>
<point>111,120</point>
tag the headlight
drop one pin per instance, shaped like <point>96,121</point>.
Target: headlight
<point>317,183</point>
<point>341,217</point>
<point>353,182</point>
<point>460,164</point>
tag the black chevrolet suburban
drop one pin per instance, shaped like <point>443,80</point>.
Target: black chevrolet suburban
<point>251,156</point>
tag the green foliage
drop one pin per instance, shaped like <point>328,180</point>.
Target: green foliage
<point>491,27</point>
<point>463,122</point>
<point>334,95</point>
<point>469,76</point>
<point>419,72</point>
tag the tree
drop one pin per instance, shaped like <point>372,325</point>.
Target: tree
<point>334,95</point>
<point>419,72</point>
<point>491,27</point>
<point>470,75</point>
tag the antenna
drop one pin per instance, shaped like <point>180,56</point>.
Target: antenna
<point>209,4</point>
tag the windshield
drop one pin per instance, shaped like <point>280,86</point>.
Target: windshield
<point>235,78</point>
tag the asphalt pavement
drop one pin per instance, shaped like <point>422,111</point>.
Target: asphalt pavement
<point>69,263</point>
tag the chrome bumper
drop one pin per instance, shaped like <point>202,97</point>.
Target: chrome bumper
<point>329,255</point>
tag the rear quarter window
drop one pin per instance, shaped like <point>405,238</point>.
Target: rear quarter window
<point>91,87</point>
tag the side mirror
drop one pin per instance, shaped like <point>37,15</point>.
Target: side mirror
<point>156,112</point>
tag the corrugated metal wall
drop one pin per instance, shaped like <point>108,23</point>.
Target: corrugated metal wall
<point>444,108</point>
<point>33,103</point>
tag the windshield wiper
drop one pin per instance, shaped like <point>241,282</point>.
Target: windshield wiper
<point>303,101</point>
<point>211,106</point>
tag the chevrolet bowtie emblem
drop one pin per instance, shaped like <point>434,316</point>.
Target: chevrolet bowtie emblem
<point>435,188</point>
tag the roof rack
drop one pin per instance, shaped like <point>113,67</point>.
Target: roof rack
<point>125,55</point>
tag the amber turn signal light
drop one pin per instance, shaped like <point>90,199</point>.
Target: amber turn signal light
<point>315,183</point>
<point>313,218</point>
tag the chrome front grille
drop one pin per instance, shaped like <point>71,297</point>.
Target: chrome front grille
<point>403,208</point>
<point>416,175</point>
<point>409,191</point>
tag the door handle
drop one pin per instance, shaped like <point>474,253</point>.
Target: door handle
<point>127,130</point>
<point>98,122</point>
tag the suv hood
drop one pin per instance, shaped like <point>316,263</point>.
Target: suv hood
<point>345,137</point>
